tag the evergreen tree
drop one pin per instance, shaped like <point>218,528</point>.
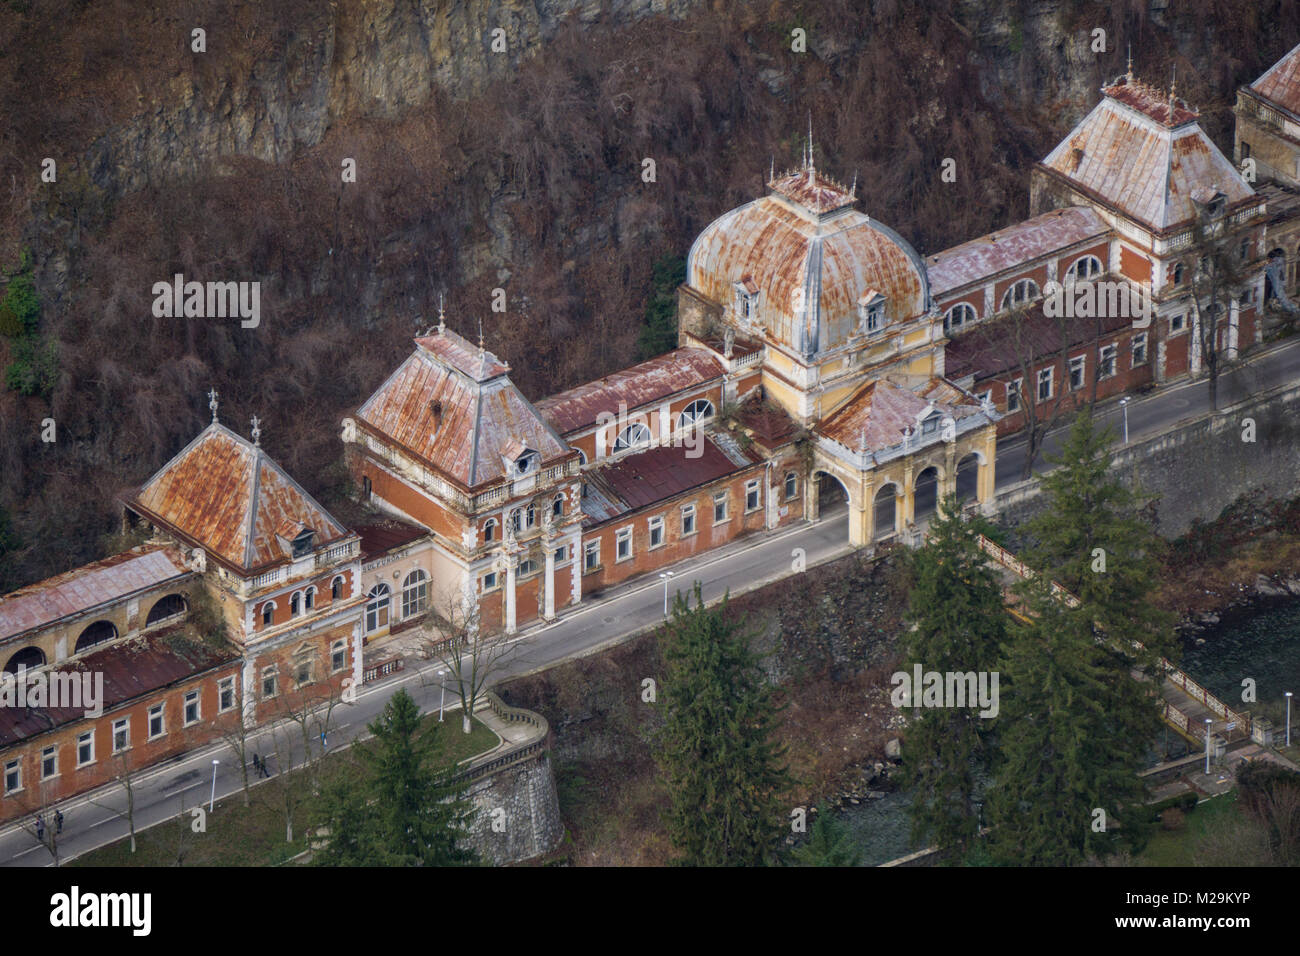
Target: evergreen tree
<point>958,623</point>
<point>725,776</point>
<point>659,333</point>
<point>400,809</point>
<point>829,844</point>
<point>20,307</point>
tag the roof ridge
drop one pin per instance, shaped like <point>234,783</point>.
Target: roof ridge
<point>250,533</point>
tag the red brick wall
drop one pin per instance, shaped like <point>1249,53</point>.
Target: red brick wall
<point>1134,265</point>
<point>284,658</point>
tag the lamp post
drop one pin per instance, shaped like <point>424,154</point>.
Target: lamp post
<point>1123,404</point>
<point>1207,746</point>
<point>1288,718</point>
<point>664,576</point>
<point>442,703</point>
<point>213,796</point>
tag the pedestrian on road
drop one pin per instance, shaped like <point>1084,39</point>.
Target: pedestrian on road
<point>257,764</point>
<point>40,827</point>
<point>58,821</point>
<point>324,744</point>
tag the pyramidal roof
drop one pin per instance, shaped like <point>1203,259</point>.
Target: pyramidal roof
<point>227,496</point>
<point>452,405</point>
<point>1280,85</point>
<point>1141,152</point>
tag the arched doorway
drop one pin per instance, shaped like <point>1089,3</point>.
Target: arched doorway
<point>28,657</point>
<point>832,499</point>
<point>885,514</point>
<point>97,633</point>
<point>926,493</point>
<point>968,478</point>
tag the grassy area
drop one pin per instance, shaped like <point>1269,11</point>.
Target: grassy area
<point>1179,847</point>
<point>237,835</point>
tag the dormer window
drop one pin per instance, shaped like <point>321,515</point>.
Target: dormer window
<point>930,424</point>
<point>527,462</point>
<point>871,312</point>
<point>302,543</point>
<point>746,299</point>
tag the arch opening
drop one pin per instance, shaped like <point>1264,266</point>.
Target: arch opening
<point>96,633</point>
<point>885,512</point>
<point>926,493</point>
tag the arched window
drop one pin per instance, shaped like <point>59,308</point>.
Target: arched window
<point>530,516</point>
<point>634,436</point>
<point>295,604</point>
<point>582,457</point>
<point>517,520</point>
<point>415,594</point>
<point>97,633</point>
<point>336,589</point>
<point>490,530</point>
<point>791,485</point>
<point>377,607</point>
<point>960,314</point>
<point>557,506</point>
<point>268,613</point>
<point>28,657</point>
<point>1087,267</point>
<point>309,599</point>
<point>1022,291</point>
<point>165,607</point>
<point>694,413</point>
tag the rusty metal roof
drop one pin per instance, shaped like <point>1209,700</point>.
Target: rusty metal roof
<point>1280,84</point>
<point>103,582</point>
<point>651,381</point>
<point>812,190</point>
<point>387,534</point>
<point>226,495</point>
<point>810,269</point>
<point>132,669</point>
<point>459,422</point>
<point>454,350</point>
<point>979,259</point>
<point>1127,155</point>
<point>658,474</point>
<point>873,419</point>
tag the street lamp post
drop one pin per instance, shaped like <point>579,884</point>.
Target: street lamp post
<point>1207,746</point>
<point>213,796</point>
<point>1288,718</point>
<point>1123,403</point>
<point>664,576</point>
<point>442,703</point>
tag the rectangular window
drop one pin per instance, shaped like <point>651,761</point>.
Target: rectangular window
<point>1044,384</point>
<point>591,556</point>
<point>751,496</point>
<point>157,727</point>
<point>121,734</point>
<point>1176,322</point>
<point>791,486</point>
<point>1247,298</point>
<point>623,550</point>
<point>490,581</point>
<point>338,656</point>
<point>688,520</point>
<point>49,763</point>
<point>225,694</point>
<point>86,748</point>
<point>656,532</point>
<point>720,507</point>
<point>13,776</point>
<point>1013,395</point>
<point>562,554</point>
<point>191,708</point>
<point>304,673</point>
<point>1106,363</point>
<point>1076,371</point>
<point>1140,349</point>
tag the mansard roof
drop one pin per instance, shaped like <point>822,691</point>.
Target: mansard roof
<point>1008,248</point>
<point>225,495</point>
<point>453,406</point>
<point>651,381</point>
<point>1280,84</point>
<point>874,417</point>
<point>1137,159</point>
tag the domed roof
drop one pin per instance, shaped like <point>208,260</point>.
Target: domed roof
<point>806,245</point>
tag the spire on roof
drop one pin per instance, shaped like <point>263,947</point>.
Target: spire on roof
<point>1173,86</point>
<point>212,404</point>
<point>1128,74</point>
<point>812,164</point>
<point>442,325</point>
<point>257,432</point>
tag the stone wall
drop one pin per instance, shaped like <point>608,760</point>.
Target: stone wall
<point>518,814</point>
<point>1200,466</point>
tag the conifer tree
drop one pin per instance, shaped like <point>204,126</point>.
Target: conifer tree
<point>726,777</point>
<point>958,623</point>
<point>829,844</point>
<point>400,810</point>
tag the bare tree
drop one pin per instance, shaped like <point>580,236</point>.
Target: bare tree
<point>286,790</point>
<point>465,656</point>
<point>235,732</point>
<point>125,776</point>
<point>43,826</point>
<point>1217,262</point>
<point>309,706</point>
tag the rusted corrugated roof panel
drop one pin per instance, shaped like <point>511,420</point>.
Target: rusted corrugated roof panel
<point>810,270</point>
<point>1141,166</point>
<point>768,422</point>
<point>665,375</point>
<point>388,534</point>
<point>813,190</point>
<point>874,418</point>
<point>229,497</point>
<point>1004,345</point>
<point>1016,245</point>
<point>1280,85</point>
<point>459,423</point>
<point>454,350</point>
<point>658,474</point>
<point>102,582</point>
<point>132,669</point>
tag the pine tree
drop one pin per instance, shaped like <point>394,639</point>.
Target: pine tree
<point>959,622</point>
<point>659,333</point>
<point>725,776</point>
<point>400,810</point>
<point>829,844</point>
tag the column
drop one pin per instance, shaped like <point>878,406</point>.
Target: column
<point>575,569</point>
<point>358,656</point>
<point>986,477</point>
<point>907,507</point>
<point>548,609</point>
<point>247,682</point>
<point>811,504</point>
<point>512,562</point>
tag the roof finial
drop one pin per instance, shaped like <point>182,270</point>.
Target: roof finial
<point>480,335</point>
<point>212,404</point>
<point>442,326</point>
<point>1173,86</point>
<point>812,164</point>
<point>257,432</point>
<point>853,190</point>
<point>771,172</point>
<point>1128,76</point>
